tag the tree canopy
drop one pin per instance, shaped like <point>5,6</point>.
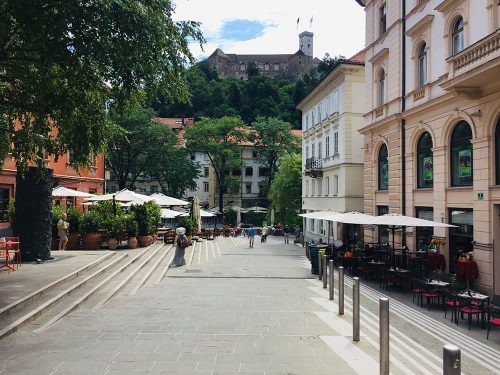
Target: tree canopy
<point>63,62</point>
<point>218,139</point>
<point>286,190</point>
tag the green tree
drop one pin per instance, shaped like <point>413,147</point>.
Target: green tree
<point>285,194</point>
<point>218,139</point>
<point>274,139</point>
<point>61,62</point>
<point>134,147</point>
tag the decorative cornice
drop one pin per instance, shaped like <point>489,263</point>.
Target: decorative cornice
<point>417,29</point>
<point>379,55</point>
<point>447,5</point>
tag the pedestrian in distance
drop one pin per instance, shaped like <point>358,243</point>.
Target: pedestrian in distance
<point>286,232</point>
<point>180,248</point>
<point>251,235</point>
<point>62,231</point>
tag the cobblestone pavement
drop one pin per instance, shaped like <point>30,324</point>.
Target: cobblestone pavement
<point>236,310</point>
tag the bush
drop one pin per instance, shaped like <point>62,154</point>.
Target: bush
<point>57,212</point>
<point>105,210</point>
<point>116,226</point>
<point>188,223</point>
<point>91,222</point>
<point>130,225</point>
<point>74,219</point>
<point>147,216</point>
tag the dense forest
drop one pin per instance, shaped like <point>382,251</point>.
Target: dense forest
<point>258,96</point>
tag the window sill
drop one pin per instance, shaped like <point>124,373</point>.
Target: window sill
<point>424,189</point>
<point>382,191</point>
<point>459,188</point>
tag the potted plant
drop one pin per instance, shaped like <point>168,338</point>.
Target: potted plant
<point>114,227</point>
<point>147,217</point>
<point>74,220</point>
<point>57,212</point>
<point>131,229</point>
<point>89,226</point>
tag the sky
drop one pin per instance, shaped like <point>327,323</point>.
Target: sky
<point>270,26</point>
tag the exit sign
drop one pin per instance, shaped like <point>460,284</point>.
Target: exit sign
<point>480,196</point>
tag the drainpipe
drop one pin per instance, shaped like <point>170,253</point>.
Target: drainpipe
<point>403,121</point>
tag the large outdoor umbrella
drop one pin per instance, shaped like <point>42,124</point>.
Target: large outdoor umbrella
<point>169,214</point>
<point>257,209</point>
<point>165,200</point>
<point>396,221</point>
<point>195,213</point>
<point>124,195</point>
<point>272,217</point>
<point>238,217</point>
<point>62,191</point>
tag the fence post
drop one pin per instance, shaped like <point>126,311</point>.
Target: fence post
<point>384,335</point>
<point>451,360</point>
<point>355,309</point>
<point>341,290</point>
<point>325,271</point>
<point>331,280</point>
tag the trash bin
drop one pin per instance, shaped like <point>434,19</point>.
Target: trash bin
<point>313,250</point>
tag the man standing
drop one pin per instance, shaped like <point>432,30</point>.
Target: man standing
<point>62,231</point>
<point>286,232</point>
<point>251,234</point>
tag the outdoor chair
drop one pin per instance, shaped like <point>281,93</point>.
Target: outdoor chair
<point>14,250</point>
<point>493,315</point>
<point>431,296</point>
<point>469,309</point>
<point>451,301</point>
<point>417,288</point>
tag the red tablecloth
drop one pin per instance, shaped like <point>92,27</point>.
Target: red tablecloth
<point>435,261</point>
<point>467,269</point>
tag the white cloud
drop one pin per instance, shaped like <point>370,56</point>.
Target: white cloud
<point>338,25</point>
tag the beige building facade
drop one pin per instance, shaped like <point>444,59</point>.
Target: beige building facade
<point>432,130</point>
<point>332,171</point>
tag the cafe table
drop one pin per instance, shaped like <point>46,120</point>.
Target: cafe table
<point>6,246</point>
<point>467,269</point>
<point>481,299</point>
<point>436,261</point>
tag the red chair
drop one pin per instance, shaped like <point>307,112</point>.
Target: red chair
<point>450,300</point>
<point>14,249</point>
<point>431,296</point>
<point>470,309</point>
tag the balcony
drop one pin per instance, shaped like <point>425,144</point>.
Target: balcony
<point>314,167</point>
<point>475,70</point>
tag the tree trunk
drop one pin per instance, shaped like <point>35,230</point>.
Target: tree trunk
<point>33,216</point>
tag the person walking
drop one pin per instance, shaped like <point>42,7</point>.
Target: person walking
<point>180,248</point>
<point>286,232</point>
<point>62,231</point>
<point>251,234</point>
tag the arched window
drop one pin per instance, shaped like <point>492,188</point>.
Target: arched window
<point>425,174</point>
<point>461,155</point>
<point>458,35</point>
<point>383,169</point>
<point>497,152</point>
<point>381,87</point>
<point>422,65</point>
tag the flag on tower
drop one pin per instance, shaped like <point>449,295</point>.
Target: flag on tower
<point>298,20</point>
<point>311,21</point>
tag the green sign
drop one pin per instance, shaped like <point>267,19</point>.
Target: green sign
<point>480,196</point>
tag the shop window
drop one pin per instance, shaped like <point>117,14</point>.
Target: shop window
<point>422,65</point>
<point>423,235</point>
<point>461,236</point>
<point>497,152</point>
<point>383,169</point>
<point>461,155</point>
<point>383,230</point>
<point>458,36</point>
<point>425,172</point>
<point>4,204</point>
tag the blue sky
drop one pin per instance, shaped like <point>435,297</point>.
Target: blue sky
<point>270,26</point>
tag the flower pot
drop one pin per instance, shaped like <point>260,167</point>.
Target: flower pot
<point>132,242</point>
<point>74,240</point>
<point>91,241</point>
<point>144,241</point>
<point>112,243</point>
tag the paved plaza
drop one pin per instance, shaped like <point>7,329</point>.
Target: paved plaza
<point>236,310</point>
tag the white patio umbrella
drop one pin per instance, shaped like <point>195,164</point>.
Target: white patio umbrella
<point>124,195</point>
<point>257,209</point>
<point>195,212</point>
<point>204,213</point>
<point>62,191</point>
<point>272,217</point>
<point>169,214</point>
<point>165,200</point>
<point>236,208</point>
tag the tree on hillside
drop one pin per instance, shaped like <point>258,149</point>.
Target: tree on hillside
<point>134,145</point>
<point>285,194</point>
<point>274,139</point>
<point>218,139</point>
<point>62,61</point>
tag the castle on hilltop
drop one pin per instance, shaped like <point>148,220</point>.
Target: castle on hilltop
<point>274,65</point>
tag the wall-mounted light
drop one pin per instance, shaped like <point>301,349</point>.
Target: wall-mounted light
<point>478,113</point>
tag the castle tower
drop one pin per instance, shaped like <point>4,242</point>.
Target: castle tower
<point>306,43</point>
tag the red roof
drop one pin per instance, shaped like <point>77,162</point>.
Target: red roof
<point>176,122</point>
<point>359,57</point>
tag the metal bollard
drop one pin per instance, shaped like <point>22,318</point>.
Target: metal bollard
<point>451,360</point>
<point>325,272</point>
<point>355,309</point>
<point>320,265</point>
<point>341,290</point>
<point>384,335</point>
<point>331,279</point>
